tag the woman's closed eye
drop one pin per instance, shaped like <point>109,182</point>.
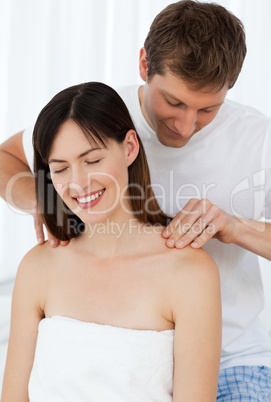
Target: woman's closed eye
<point>63,169</point>
<point>92,162</point>
<point>58,171</point>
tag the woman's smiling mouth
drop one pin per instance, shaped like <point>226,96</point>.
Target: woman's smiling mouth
<point>89,200</point>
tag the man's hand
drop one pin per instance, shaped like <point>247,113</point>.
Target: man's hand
<point>38,224</point>
<point>17,184</point>
<point>197,223</point>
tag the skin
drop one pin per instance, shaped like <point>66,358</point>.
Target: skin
<point>173,111</point>
<point>93,172</point>
<point>131,281</point>
<point>176,113</point>
<point>17,184</point>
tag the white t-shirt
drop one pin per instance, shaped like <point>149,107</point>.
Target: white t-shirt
<point>228,163</point>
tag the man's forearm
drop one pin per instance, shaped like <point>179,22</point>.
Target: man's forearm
<point>16,182</point>
<point>17,185</point>
<point>255,236</point>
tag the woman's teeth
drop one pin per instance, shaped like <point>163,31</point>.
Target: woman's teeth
<point>89,198</point>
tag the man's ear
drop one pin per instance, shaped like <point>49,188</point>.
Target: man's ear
<point>143,65</point>
<point>131,146</point>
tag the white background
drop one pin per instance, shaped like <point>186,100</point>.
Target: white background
<point>47,45</point>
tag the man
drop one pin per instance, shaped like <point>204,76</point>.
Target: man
<point>209,159</point>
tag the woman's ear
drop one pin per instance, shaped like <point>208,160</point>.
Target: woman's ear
<point>143,65</point>
<point>131,146</point>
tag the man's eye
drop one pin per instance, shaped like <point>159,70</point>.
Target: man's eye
<point>174,104</point>
<point>207,110</point>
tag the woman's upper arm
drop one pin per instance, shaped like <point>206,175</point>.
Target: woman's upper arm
<point>26,313</point>
<point>197,342</point>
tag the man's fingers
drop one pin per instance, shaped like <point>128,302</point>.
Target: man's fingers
<point>52,240</point>
<point>187,216</point>
<point>185,234</point>
<point>203,229</point>
<point>192,233</point>
<point>64,243</point>
<point>170,229</point>
<point>204,236</point>
<point>177,221</point>
<point>38,224</point>
<point>191,226</point>
<point>55,242</point>
<point>182,229</point>
<point>196,224</point>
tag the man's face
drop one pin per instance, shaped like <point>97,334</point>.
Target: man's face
<point>174,111</point>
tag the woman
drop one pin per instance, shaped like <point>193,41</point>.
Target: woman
<point>105,318</point>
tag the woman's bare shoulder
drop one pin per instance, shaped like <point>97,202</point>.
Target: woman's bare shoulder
<point>189,268</point>
<point>177,261</point>
<point>192,259</point>
<point>39,262</point>
<point>37,256</point>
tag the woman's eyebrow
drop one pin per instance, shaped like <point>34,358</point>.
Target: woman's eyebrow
<point>53,160</point>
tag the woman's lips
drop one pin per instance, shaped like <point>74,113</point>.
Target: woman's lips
<point>89,200</point>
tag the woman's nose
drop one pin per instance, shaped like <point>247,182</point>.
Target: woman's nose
<point>80,181</point>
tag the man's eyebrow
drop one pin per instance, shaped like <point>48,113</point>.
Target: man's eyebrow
<point>166,94</point>
<point>211,106</point>
<point>80,156</point>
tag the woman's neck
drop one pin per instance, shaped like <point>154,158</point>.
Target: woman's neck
<point>110,238</point>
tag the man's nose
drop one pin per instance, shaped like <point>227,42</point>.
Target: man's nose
<point>186,122</point>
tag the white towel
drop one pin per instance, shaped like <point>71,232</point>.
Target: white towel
<point>77,361</point>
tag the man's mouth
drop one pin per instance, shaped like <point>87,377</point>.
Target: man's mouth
<point>180,136</point>
<point>174,134</point>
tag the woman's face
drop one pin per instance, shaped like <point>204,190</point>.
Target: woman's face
<point>88,177</point>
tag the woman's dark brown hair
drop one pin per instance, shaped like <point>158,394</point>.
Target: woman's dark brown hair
<point>102,115</point>
<point>202,43</point>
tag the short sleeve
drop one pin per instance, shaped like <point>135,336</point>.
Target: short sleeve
<point>267,168</point>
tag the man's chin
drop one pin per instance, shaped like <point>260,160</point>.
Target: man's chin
<point>173,142</point>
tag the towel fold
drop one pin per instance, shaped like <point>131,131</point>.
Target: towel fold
<point>84,362</point>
